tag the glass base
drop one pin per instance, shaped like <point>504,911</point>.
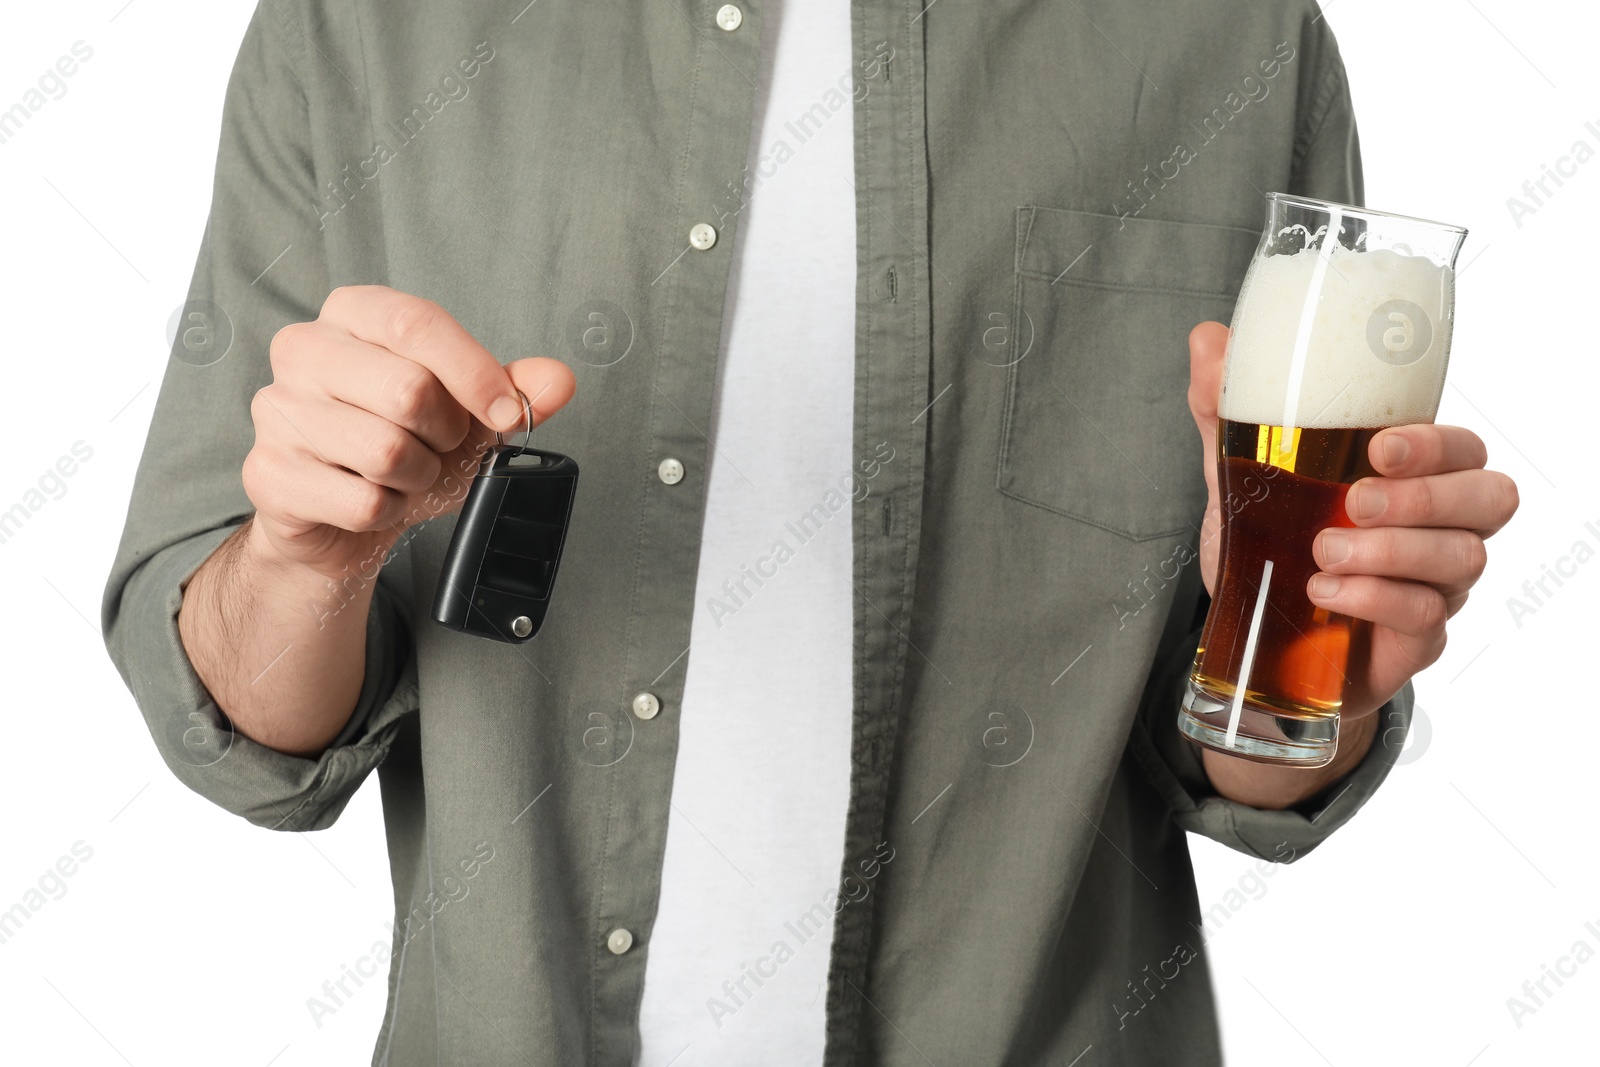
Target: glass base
<point>1265,735</point>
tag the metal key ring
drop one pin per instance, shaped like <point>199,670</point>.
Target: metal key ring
<point>527,434</point>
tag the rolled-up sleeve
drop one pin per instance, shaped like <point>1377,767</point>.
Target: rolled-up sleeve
<point>260,266</point>
<point>1173,765</point>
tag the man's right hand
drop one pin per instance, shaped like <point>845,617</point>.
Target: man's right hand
<point>377,415</point>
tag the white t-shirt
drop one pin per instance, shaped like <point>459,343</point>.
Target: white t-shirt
<point>755,836</point>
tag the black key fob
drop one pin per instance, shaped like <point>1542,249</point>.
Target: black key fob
<point>501,565</point>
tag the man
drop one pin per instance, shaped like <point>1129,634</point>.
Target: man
<point>850,733</point>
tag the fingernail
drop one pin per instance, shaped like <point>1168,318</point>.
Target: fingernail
<point>505,413</point>
<point>1366,501</point>
<point>1396,450</point>
<point>1335,546</point>
<point>1323,586</point>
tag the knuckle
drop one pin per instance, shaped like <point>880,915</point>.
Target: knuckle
<point>335,301</point>
<point>1420,652</point>
<point>266,412</point>
<point>368,507</point>
<point>1471,556</point>
<point>412,319</point>
<point>264,474</point>
<point>1422,497</point>
<point>1406,649</point>
<point>1382,549</point>
<point>1431,610</point>
<point>457,425</point>
<point>1439,644</point>
<point>256,477</point>
<point>287,346</point>
<point>1506,497</point>
<point>413,392</point>
<point>1477,451</point>
<point>1426,447</point>
<point>341,298</point>
<point>388,449</point>
<point>431,467</point>
<point>1440,641</point>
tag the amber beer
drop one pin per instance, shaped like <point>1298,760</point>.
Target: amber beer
<point>1301,650</point>
<point>1342,329</point>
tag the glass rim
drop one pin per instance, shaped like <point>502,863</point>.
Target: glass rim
<point>1354,209</point>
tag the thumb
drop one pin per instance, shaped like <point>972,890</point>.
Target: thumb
<point>1208,342</point>
<point>547,383</point>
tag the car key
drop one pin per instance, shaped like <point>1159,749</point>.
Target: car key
<point>501,565</point>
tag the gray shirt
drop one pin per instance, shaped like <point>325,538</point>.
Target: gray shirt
<point>1048,197</point>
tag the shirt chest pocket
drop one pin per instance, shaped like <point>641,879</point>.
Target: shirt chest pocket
<point>1096,423</point>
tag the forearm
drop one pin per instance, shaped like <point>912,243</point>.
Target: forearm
<point>1273,787</point>
<point>281,648</point>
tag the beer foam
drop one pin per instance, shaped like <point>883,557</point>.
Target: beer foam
<point>1375,344</point>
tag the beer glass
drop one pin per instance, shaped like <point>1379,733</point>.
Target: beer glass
<point>1342,328</point>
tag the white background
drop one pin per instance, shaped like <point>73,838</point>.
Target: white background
<point>190,937</point>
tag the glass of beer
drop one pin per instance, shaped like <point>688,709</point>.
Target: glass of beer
<point>1342,328</point>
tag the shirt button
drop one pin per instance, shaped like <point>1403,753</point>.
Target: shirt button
<point>671,471</point>
<point>645,705</point>
<point>702,236</point>
<point>619,941</point>
<point>729,17</point>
